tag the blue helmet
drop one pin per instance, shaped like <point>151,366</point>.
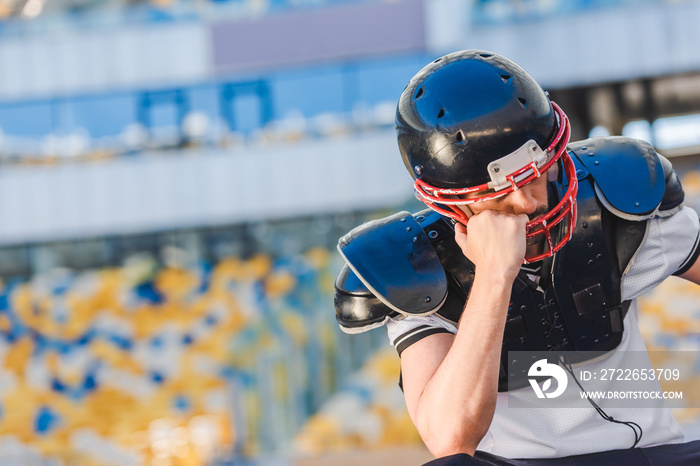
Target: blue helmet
<point>476,122</point>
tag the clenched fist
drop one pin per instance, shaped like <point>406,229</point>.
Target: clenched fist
<point>495,242</point>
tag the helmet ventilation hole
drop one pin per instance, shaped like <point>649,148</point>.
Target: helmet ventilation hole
<point>419,93</point>
<point>441,113</point>
<point>459,137</point>
<point>437,60</point>
<point>522,101</point>
<point>485,55</point>
<point>505,77</point>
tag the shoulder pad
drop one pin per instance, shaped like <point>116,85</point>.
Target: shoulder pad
<point>356,308</point>
<point>673,195</point>
<point>631,179</point>
<point>395,261</point>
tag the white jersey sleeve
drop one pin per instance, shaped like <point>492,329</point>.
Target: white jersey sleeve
<point>671,245</point>
<point>408,330</point>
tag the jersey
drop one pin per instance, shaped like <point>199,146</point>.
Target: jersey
<point>671,242</point>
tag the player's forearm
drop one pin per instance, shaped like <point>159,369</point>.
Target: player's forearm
<point>456,407</point>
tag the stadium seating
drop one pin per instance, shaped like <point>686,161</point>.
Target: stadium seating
<point>140,363</point>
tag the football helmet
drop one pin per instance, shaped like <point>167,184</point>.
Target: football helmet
<point>473,126</point>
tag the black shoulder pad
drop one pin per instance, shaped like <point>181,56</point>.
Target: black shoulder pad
<point>394,259</point>
<point>673,195</point>
<point>356,308</point>
<point>629,175</point>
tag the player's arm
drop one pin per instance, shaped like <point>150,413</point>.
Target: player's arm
<point>451,382</point>
<point>687,231</point>
<point>693,273</point>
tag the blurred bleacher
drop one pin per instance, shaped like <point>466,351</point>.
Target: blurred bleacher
<point>224,78</point>
<point>152,362</point>
<point>174,176</point>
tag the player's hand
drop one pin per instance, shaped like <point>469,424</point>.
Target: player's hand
<point>495,242</point>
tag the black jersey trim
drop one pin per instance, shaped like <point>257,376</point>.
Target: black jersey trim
<point>690,261</point>
<point>398,339</point>
<point>416,334</point>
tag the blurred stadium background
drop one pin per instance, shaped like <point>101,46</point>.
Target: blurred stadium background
<point>174,175</point>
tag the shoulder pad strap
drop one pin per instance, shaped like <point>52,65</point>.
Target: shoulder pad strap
<point>628,173</point>
<point>356,308</point>
<point>395,261</point>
